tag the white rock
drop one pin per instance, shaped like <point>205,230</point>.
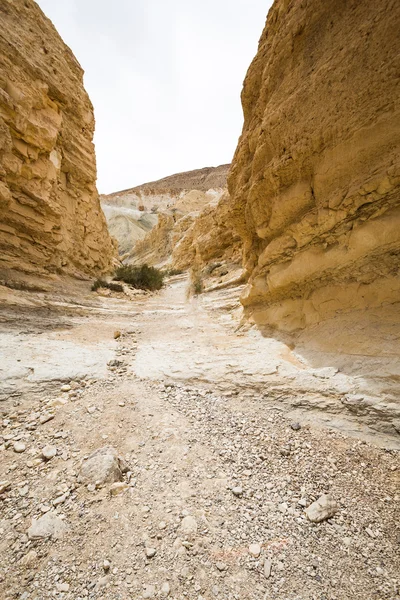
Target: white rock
<point>188,526</point>
<point>255,550</point>
<point>150,552</point>
<point>49,452</point>
<point>19,447</point>
<point>323,508</point>
<point>165,589</point>
<point>237,490</point>
<point>149,591</point>
<point>267,568</point>
<point>62,587</point>
<point>65,388</point>
<point>49,525</point>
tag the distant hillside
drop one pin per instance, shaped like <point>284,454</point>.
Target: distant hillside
<point>132,213</point>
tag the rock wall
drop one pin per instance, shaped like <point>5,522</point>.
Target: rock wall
<point>315,181</point>
<point>208,239</point>
<point>176,200</point>
<point>50,215</point>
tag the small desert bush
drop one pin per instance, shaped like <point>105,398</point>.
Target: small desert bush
<point>172,272</point>
<point>100,283</point>
<point>197,286</point>
<point>143,278</point>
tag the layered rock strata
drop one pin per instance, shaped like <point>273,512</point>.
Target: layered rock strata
<point>50,215</point>
<point>315,181</point>
<point>175,202</point>
<point>208,240</point>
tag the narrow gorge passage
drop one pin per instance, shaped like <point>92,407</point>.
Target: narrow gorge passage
<point>214,476</point>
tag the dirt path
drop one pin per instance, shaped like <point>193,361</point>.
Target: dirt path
<point>216,473</point>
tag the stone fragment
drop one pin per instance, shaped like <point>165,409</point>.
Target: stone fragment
<point>102,466</point>
<point>150,552</point>
<point>255,550</point>
<point>66,388</point>
<point>267,568</point>
<point>165,590</point>
<point>4,486</point>
<point>45,417</point>
<point>237,490</point>
<point>323,508</point>
<point>19,447</point>
<point>295,426</point>
<point>149,591</point>
<point>48,526</point>
<point>106,565</point>
<point>29,559</point>
<point>117,334</point>
<point>188,526</point>
<point>118,488</point>
<point>62,587</point>
<point>49,452</point>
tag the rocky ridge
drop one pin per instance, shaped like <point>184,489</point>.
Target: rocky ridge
<point>50,216</point>
<point>131,214</point>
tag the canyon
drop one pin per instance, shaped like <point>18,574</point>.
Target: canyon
<point>235,434</point>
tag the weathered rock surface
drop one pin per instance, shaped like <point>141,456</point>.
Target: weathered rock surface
<point>132,213</point>
<point>102,466</point>
<point>316,175</point>
<point>50,215</point>
<point>48,526</point>
<point>323,508</point>
<point>209,238</point>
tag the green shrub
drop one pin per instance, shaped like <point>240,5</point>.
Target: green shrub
<point>100,283</point>
<point>115,287</point>
<point>172,272</point>
<point>143,278</point>
<point>197,286</point>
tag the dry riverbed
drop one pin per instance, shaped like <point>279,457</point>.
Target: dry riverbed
<point>212,458</point>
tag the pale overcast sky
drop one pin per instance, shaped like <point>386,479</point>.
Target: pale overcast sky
<point>164,77</point>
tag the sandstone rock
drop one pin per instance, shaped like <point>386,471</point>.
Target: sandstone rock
<point>49,207</point>
<point>102,466</point>
<point>29,559</point>
<point>323,508</point>
<point>47,526</point>
<point>315,180</point>
<point>4,486</point>
<point>118,487</point>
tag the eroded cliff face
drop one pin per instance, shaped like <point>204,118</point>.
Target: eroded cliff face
<point>50,215</point>
<point>209,240</point>
<point>175,201</point>
<point>315,181</point>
